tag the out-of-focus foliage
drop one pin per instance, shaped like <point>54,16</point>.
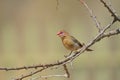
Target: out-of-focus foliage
<point>28,37</point>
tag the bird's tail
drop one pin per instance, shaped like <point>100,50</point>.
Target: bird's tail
<point>89,50</point>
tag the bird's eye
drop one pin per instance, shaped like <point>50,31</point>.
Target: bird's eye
<point>61,33</point>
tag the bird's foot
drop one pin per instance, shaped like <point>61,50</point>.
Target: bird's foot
<point>65,56</point>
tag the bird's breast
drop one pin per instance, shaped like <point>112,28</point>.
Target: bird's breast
<point>70,44</point>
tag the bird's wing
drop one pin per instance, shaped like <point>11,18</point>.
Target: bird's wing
<point>76,41</point>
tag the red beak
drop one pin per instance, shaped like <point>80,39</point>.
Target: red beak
<point>58,33</point>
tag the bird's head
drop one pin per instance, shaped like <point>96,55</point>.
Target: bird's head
<point>62,33</point>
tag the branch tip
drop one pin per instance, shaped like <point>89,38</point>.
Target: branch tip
<point>82,1</point>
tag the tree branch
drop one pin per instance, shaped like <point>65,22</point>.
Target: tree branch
<point>92,15</point>
<point>66,70</point>
<point>30,74</point>
<point>49,76</point>
<point>110,33</point>
<point>111,10</point>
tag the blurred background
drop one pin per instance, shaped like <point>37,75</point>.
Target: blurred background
<point>28,37</point>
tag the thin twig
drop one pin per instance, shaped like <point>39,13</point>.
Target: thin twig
<point>111,33</point>
<point>66,75</point>
<point>66,70</point>
<point>92,15</point>
<point>111,10</point>
<point>30,74</point>
<point>48,76</point>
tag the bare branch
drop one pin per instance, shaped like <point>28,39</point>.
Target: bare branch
<point>49,76</point>
<point>40,70</point>
<point>30,74</point>
<point>92,15</point>
<point>101,33</point>
<point>111,33</point>
<point>66,75</point>
<point>66,70</point>
<point>111,10</point>
<point>24,67</point>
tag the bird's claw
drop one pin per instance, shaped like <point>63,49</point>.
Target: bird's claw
<point>66,56</point>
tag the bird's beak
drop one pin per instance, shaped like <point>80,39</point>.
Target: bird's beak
<point>58,33</point>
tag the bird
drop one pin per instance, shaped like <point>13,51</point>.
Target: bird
<point>70,42</point>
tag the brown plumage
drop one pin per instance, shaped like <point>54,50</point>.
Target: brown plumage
<point>69,41</point>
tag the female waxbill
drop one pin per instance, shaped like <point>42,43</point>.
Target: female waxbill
<point>70,42</point>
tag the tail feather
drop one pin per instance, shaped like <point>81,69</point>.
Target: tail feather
<point>89,50</point>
